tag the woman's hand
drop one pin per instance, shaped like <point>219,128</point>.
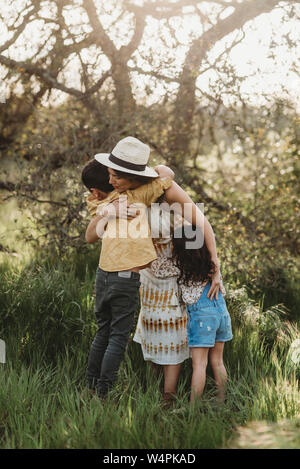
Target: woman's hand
<point>164,171</point>
<point>123,210</point>
<point>120,209</point>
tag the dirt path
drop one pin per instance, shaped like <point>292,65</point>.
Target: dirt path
<point>265,435</point>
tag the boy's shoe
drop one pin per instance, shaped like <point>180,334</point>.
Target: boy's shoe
<point>87,393</point>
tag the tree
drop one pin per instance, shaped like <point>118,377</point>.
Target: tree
<point>62,40</point>
<point>107,43</point>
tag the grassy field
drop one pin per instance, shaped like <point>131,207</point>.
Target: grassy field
<point>47,323</point>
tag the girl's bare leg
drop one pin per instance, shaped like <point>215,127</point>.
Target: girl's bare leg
<point>219,370</point>
<point>171,375</point>
<point>199,360</point>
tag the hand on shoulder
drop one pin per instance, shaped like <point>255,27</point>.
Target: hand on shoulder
<point>164,171</point>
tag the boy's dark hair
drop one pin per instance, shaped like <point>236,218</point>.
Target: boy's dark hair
<point>95,175</point>
<point>194,264</point>
<point>134,177</point>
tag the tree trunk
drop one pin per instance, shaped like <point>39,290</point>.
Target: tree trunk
<point>125,102</point>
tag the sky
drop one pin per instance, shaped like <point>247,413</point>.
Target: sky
<point>250,58</point>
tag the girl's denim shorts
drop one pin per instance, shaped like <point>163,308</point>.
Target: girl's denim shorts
<point>208,321</point>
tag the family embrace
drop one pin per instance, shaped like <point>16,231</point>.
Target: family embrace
<point>159,259</point>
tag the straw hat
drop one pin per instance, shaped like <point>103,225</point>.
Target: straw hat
<point>130,155</point>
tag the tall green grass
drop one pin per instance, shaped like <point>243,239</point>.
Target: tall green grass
<point>45,306</point>
<point>47,323</point>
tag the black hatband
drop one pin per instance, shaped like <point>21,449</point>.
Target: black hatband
<point>125,164</point>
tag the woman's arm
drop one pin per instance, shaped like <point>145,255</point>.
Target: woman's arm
<point>190,212</point>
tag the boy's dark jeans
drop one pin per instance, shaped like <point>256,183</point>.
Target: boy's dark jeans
<point>117,299</point>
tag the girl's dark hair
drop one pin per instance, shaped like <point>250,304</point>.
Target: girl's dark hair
<point>95,175</point>
<point>194,264</point>
<point>134,177</point>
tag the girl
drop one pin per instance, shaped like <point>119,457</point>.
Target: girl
<point>209,325</point>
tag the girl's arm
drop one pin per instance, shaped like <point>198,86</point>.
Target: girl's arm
<point>96,228</point>
<point>118,208</point>
<point>190,212</point>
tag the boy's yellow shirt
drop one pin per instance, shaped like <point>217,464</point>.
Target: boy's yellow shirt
<point>127,243</point>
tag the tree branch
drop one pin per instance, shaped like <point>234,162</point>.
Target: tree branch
<point>45,76</point>
<point>127,51</point>
<point>101,37</point>
<point>11,187</point>
<point>97,85</point>
<point>19,29</point>
<point>154,74</point>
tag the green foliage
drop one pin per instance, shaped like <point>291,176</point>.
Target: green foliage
<point>241,161</point>
<point>256,182</point>
<point>47,306</point>
<point>48,325</point>
<point>243,164</point>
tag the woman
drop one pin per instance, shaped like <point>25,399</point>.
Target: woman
<point>161,327</point>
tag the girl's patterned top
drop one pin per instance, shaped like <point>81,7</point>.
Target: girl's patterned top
<point>163,266</point>
<point>190,293</point>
